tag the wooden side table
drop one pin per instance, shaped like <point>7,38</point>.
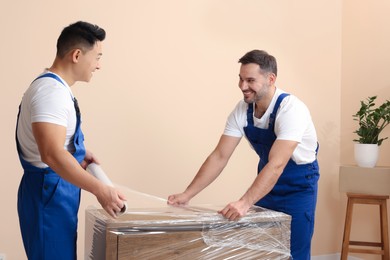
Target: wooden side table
<point>383,244</point>
<point>365,186</point>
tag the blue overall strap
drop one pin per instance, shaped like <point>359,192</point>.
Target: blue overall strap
<point>16,130</point>
<point>276,107</point>
<point>51,75</point>
<point>249,113</point>
<point>54,76</point>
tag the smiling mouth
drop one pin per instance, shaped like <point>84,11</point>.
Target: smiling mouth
<point>247,93</point>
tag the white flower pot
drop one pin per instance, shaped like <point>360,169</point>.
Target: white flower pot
<point>366,155</point>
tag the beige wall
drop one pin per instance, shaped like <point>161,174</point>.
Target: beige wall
<point>169,79</point>
<point>365,65</point>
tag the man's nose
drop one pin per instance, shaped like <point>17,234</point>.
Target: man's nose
<point>242,85</point>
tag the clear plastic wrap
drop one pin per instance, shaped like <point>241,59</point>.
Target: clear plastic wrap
<point>192,232</point>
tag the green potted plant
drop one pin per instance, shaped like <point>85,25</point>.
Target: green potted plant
<point>372,120</point>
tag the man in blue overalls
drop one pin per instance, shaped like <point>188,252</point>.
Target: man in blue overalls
<point>51,149</point>
<point>280,129</point>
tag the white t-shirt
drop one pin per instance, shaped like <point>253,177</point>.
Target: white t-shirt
<point>293,122</point>
<point>46,100</point>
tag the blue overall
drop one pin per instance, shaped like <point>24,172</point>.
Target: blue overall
<point>295,192</point>
<point>48,205</point>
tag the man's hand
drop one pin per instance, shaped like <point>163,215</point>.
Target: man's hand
<point>235,210</point>
<point>88,159</point>
<point>180,199</point>
<point>111,200</point>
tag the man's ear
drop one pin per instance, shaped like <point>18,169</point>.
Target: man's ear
<point>76,55</point>
<point>272,78</point>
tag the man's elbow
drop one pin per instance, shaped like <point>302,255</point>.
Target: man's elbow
<point>49,157</point>
<point>277,166</point>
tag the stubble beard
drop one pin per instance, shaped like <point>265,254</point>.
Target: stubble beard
<point>258,96</point>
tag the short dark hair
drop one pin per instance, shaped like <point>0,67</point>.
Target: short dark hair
<point>266,62</point>
<point>80,35</point>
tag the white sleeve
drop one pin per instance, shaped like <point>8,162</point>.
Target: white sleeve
<point>52,106</point>
<point>236,121</point>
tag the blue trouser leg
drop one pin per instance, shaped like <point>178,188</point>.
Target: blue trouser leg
<point>29,216</point>
<point>301,208</point>
<point>47,208</point>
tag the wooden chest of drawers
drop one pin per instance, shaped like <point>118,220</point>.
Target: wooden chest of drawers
<point>195,232</point>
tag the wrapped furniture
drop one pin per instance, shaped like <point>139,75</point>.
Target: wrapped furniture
<point>193,232</point>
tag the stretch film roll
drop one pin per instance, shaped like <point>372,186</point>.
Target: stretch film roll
<point>97,171</point>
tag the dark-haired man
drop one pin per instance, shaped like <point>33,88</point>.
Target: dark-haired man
<point>280,129</point>
<point>51,149</point>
